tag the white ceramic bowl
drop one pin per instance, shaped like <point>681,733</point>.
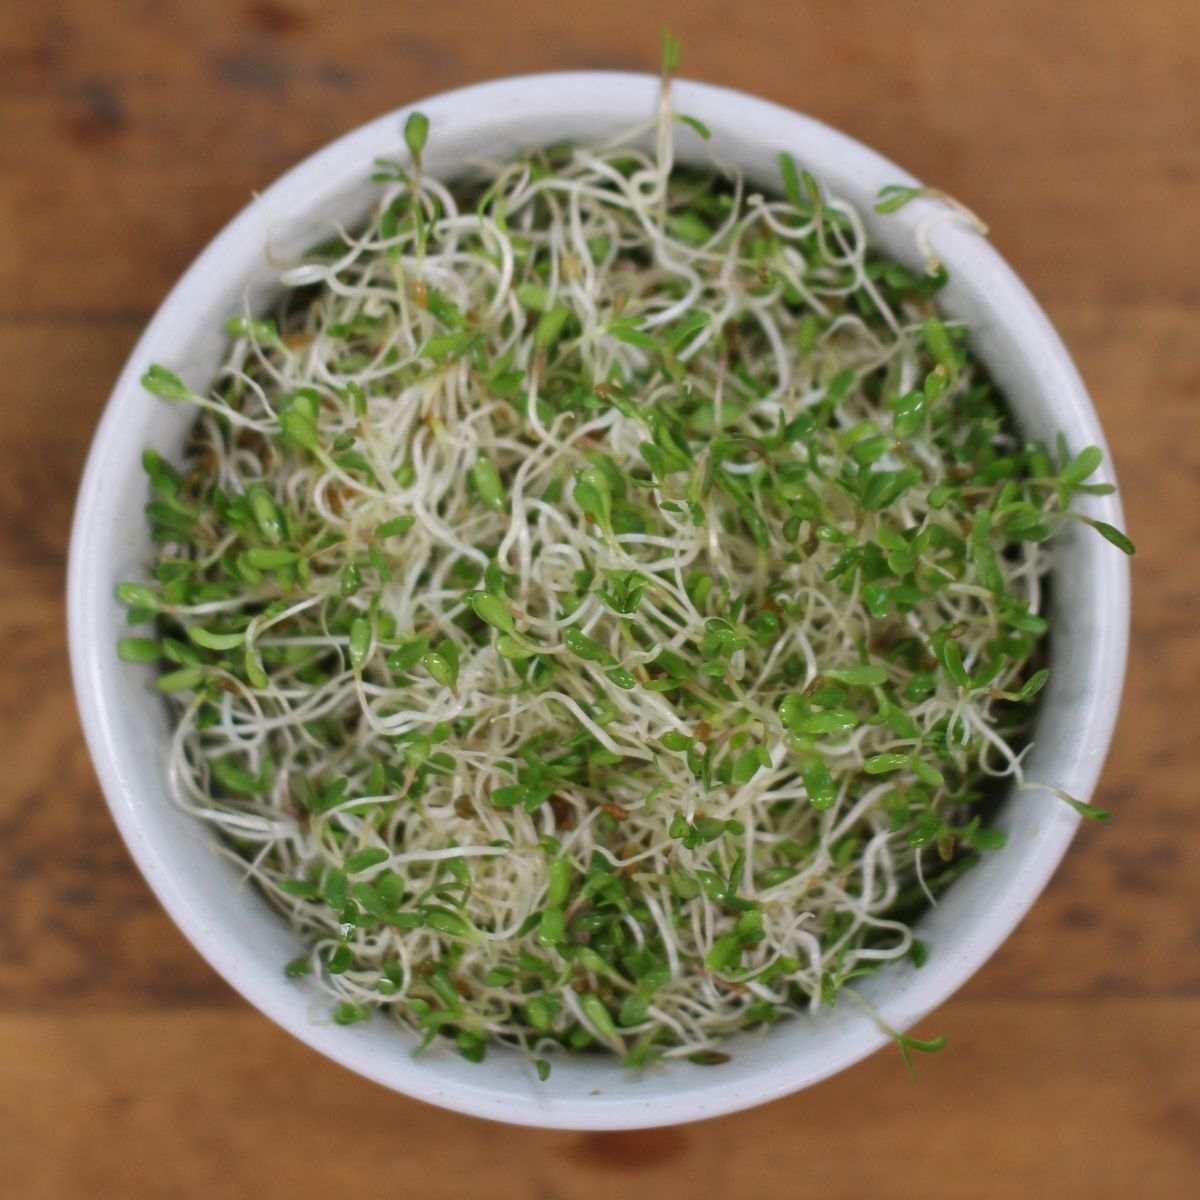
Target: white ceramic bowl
<point>127,725</point>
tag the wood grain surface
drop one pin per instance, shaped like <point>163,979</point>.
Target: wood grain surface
<point>130,131</point>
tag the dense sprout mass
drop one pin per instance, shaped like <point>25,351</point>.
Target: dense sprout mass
<point>595,601</point>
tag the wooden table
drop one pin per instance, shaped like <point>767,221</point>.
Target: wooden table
<point>130,131</point>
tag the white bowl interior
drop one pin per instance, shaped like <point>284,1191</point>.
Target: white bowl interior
<point>126,722</point>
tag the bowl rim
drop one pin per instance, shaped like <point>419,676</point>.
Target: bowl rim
<point>91,661</point>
